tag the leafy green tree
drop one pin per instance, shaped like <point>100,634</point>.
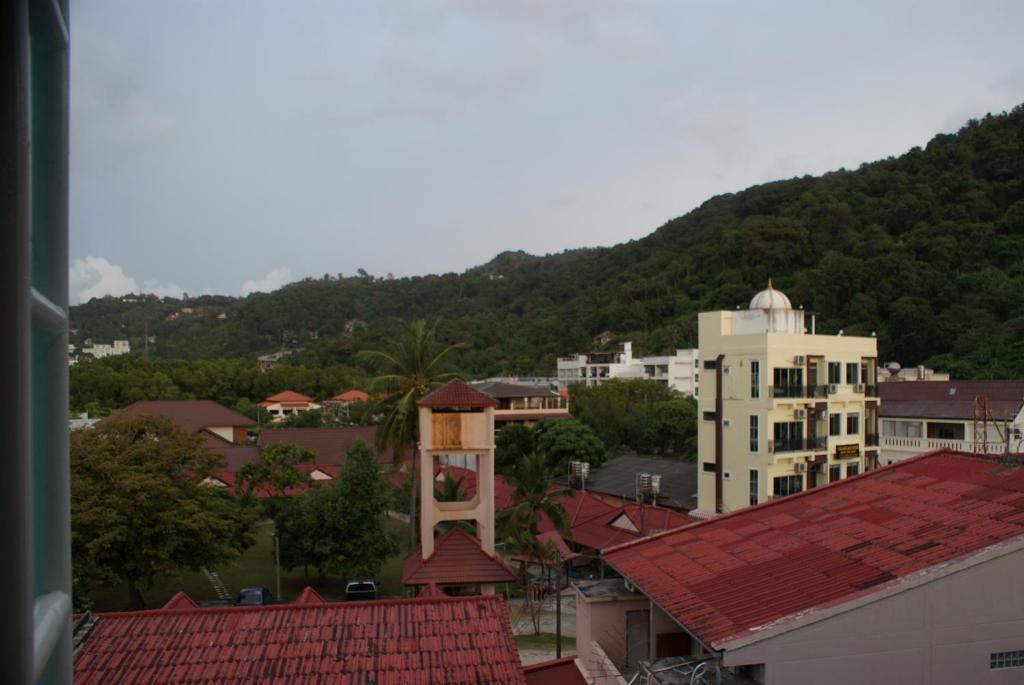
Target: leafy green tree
<point>672,428</point>
<point>511,444</point>
<point>363,509</point>
<point>409,371</point>
<point>139,509</point>
<point>451,490</point>
<point>275,471</point>
<point>619,411</point>
<point>560,441</point>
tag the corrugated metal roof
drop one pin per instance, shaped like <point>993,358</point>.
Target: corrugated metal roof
<point>457,559</point>
<point>181,601</point>
<point>724,577</point>
<point>948,399</point>
<point>309,596</point>
<point>455,393</point>
<point>457,640</point>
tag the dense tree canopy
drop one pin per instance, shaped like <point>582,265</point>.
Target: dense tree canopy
<point>139,510</point>
<point>560,441</point>
<point>922,249</point>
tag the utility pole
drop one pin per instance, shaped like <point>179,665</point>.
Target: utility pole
<point>558,604</point>
<point>277,561</point>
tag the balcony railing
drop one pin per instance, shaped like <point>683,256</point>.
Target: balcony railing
<point>787,445</point>
<point>787,390</point>
<point>871,391</point>
<point>871,440</point>
<point>817,391</point>
<point>817,442</point>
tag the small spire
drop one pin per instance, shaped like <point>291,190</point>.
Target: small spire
<point>769,283</point>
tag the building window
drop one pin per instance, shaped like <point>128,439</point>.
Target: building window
<point>787,485</point>
<point>755,380</point>
<point>901,429</point>
<point>835,370</point>
<point>835,472</point>
<point>710,365</point>
<point>709,467</point>
<point>945,431</point>
<point>853,423</point>
<point>709,416</point>
<point>852,470</point>
<point>1013,659</point>
<point>853,373</point>
<point>754,486</point>
<point>754,434</point>
<point>835,424</point>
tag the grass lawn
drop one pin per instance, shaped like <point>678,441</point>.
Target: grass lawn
<point>546,641</point>
<point>255,567</point>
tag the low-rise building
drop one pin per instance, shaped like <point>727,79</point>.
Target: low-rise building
<point>328,445</point>
<point>340,405</point>
<point>968,416</point>
<point>894,373</point>
<point>219,426</point>
<point>525,404</point>
<point>906,574</point>
<point>619,477</point>
<point>285,404</point>
<point>103,350</point>
<point>678,371</point>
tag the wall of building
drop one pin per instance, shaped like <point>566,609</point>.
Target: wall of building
<point>771,351</point>
<point>942,632</point>
<point>604,621</point>
<point>902,438</point>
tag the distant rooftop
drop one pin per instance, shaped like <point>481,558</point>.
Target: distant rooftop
<point>618,477</point>
<point>949,399</point>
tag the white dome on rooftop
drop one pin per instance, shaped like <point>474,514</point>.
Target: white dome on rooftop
<point>770,298</point>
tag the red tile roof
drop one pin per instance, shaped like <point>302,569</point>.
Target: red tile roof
<point>181,601</point>
<point>562,671</point>
<point>328,445</point>
<point>553,537</point>
<point>309,596</point>
<point>949,399</point>
<point>456,394</point>
<point>730,576</point>
<point>457,560</point>
<point>352,396</point>
<point>456,640</point>
<point>287,396</point>
<point>191,415</point>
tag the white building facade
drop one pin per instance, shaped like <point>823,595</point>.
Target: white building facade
<point>678,371</point>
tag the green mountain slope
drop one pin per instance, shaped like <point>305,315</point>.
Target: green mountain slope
<point>926,249</point>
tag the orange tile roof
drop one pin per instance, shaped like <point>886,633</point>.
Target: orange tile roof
<point>352,396</point>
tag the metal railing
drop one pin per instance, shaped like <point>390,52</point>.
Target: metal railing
<point>787,390</point>
<point>871,440</point>
<point>787,445</point>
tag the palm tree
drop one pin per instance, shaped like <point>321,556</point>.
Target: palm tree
<point>408,372</point>
<point>534,494</point>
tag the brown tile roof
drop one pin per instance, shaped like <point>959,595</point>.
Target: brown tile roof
<point>456,394</point>
<point>329,445</point>
<point>457,559</point>
<point>191,415</point>
<point>948,399</point>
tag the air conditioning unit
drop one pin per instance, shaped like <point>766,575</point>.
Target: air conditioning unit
<point>725,423</point>
<point>859,388</point>
<point>822,467</point>
<point>799,360</point>
<point>833,388</point>
<point>800,414</point>
<point>800,468</point>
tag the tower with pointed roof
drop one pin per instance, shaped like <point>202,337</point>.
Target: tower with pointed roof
<point>456,429</point>
<point>782,409</point>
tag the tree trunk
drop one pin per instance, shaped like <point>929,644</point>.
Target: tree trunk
<point>135,599</point>
<point>414,512</point>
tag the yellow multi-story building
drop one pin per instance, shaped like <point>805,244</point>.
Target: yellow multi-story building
<point>781,409</point>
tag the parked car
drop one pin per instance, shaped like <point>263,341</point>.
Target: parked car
<point>358,590</point>
<point>254,596</point>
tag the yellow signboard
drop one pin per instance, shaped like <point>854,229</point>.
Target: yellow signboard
<point>847,451</point>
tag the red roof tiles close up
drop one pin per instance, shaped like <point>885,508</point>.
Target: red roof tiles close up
<point>730,576</point>
<point>457,559</point>
<point>309,596</point>
<point>456,640</point>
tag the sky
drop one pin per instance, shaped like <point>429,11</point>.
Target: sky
<point>232,147</point>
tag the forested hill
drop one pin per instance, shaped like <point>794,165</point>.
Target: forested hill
<point>926,249</point>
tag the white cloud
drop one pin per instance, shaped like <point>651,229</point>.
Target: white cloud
<point>95,277</point>
<point>277,277</point>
